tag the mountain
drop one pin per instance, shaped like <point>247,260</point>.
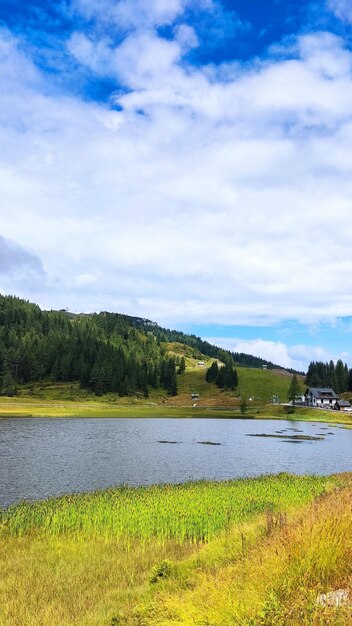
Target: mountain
<point>104,352</point>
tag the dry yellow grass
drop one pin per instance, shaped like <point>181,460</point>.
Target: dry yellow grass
<point>274,582</point>
<point>67,582</point>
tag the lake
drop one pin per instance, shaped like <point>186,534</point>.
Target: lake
<point>46,457</point>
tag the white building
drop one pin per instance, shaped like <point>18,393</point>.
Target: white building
<point>320,397</point>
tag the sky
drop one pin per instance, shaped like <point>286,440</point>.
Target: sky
<point>188,161</point>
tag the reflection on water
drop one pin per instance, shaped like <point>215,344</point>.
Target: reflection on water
<point>43,457</point>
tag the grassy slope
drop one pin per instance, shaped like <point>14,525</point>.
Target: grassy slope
<point>272,581</point>
<point>256,568</point>
<point>256,383</point>
<point>65,400</point>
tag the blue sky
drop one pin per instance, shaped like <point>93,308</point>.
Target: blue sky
<point>185,160</point>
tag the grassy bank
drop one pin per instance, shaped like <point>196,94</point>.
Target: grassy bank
<point>200,553</point>
<point>68,399</point>
<point>25,406</point>
<point>49,399</point>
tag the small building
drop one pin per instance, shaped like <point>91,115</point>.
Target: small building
<point>201,364</point>
<point>320,397</point>
<point>343,405</point>
<point>299,400</point>
<point>265,367</point>
<point>195,396</point>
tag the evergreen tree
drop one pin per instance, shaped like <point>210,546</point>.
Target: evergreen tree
<point>321,374</point>
<point>294,389</point>
<point>225,377</point>
<point>342,381</point>
<point>220,380</point>
<point>331,379</point>
<point>182,366</point>
<point>212,373</point>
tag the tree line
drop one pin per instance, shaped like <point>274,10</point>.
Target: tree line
<point>104,352</point>
<point>202,347</point>
<point>337,376</point>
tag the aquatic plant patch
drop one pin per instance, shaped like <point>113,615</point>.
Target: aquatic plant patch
<point>191,511</point>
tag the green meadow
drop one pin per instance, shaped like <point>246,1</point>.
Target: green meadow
<point>246,552</point>
<point>49,399</point>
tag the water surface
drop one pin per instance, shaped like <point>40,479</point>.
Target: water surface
<point>45,457</point>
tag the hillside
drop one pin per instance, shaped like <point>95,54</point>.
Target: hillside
<point>260,385</point>
<point>105,353</point>
<point>59,363</point>
<point>50,398</point>
<point>200,346</point>
<point>102,352</point>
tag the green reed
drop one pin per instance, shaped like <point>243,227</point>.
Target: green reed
<point>192,511</point>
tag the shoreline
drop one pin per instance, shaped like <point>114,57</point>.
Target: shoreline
<point>85,410</point>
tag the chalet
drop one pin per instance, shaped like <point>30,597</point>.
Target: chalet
<point>343,405</point>
<point>320,397</point>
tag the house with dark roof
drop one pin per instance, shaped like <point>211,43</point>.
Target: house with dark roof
<point>343,405</point>
<point>320,397</point>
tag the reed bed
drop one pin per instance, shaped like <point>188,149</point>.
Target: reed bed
<point>187,512</point>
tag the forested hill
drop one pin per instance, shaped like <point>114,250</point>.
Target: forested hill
<point>103,351</point>
<point>204,347</point>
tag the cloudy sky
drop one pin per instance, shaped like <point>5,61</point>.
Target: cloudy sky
<point>189,161</point>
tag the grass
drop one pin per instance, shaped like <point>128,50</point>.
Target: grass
<point>194,554</point>
<point>261,385</point>
<point>185,512</point>
<point>24,406</point>
<point>68,400</point>
<point>273,581</point>
<point>264,384</point>
<point>59,581</point>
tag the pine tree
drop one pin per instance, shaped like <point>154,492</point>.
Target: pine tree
<point>182,366</point>
<point>212,373</point>
<point>332,380</point>
<point>294,389</point>
<point>341,377</point>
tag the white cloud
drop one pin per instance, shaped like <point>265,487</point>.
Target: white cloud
<point>342,9</point>
<point>205,198</point>
<point>128,15</point>
<point>295,357</point>
<point>98,56</point>
<point>132,13</point>
<point>186,37</point>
